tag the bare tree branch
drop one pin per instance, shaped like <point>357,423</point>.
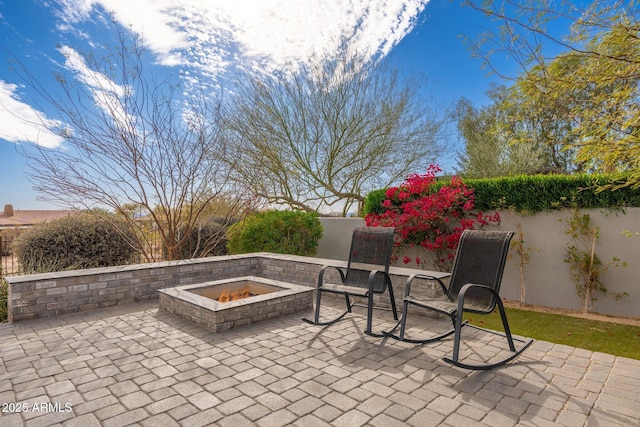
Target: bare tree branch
<point>134,145</point>
<point>333,131</point>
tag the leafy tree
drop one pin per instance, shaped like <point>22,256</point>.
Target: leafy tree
<point>329,133</point>
<point>603,109</point>
<point>488,134</point>
<point>136,145</point>
<point>593,83</point>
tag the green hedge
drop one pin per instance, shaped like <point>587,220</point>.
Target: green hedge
<point>283,232</point>
<point>373,202</point>
<point>535,193</point>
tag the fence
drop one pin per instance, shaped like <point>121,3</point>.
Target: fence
<point>10,265</point>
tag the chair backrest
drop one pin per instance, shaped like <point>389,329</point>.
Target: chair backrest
<point>480,259</point>
<point>371,246</point>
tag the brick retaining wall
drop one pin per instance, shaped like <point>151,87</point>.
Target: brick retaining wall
<point>51,294</point>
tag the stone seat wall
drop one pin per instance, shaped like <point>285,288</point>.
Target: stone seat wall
<point>51,294</point>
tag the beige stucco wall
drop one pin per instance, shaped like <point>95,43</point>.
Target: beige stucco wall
<point>336,237</point>
<point>547,280</point>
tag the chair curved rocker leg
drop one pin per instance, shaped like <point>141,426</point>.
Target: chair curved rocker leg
<point>319,289</point>
<point>327,322</point>
<point>455,360</point>
<point>401,337</point>
<point>316,319</point>
<point>402,323</point>
<point>482,367</point>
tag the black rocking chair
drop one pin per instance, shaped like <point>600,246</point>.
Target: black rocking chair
<point>367,274</point>
<point>474,287</point>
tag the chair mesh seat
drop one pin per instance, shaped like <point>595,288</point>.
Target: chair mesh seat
<point>445,305</point>
<point>341,289</point>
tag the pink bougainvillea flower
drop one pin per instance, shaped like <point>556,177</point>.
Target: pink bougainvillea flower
<point>429,218</point>
<point>391,192</point>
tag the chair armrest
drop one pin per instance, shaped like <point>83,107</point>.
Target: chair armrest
<point>372,278</point>
<point>324,269</point>
<point>465,288</point>
<point>407,287</point>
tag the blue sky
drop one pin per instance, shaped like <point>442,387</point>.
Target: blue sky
<point>212,40</point>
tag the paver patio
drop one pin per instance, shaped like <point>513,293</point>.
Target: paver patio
<point>132,364</point>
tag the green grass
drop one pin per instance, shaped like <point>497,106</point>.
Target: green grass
<point>594,335</point>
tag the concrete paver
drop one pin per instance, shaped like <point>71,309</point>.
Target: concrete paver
<point>135,365</point>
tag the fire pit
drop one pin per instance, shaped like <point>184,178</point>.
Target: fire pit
<point>266,299</point>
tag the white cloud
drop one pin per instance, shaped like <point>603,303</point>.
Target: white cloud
<point>214,37</point>
<point>19,122</point>
<point>93,79</point>
<point>106,93</point>
<point>217,35</point>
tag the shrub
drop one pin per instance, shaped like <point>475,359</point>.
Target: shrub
<point>284,232</point>
<point>373,202</point>
<point>4,296</point>
<point>77,241</point>
<point>432,217</point>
